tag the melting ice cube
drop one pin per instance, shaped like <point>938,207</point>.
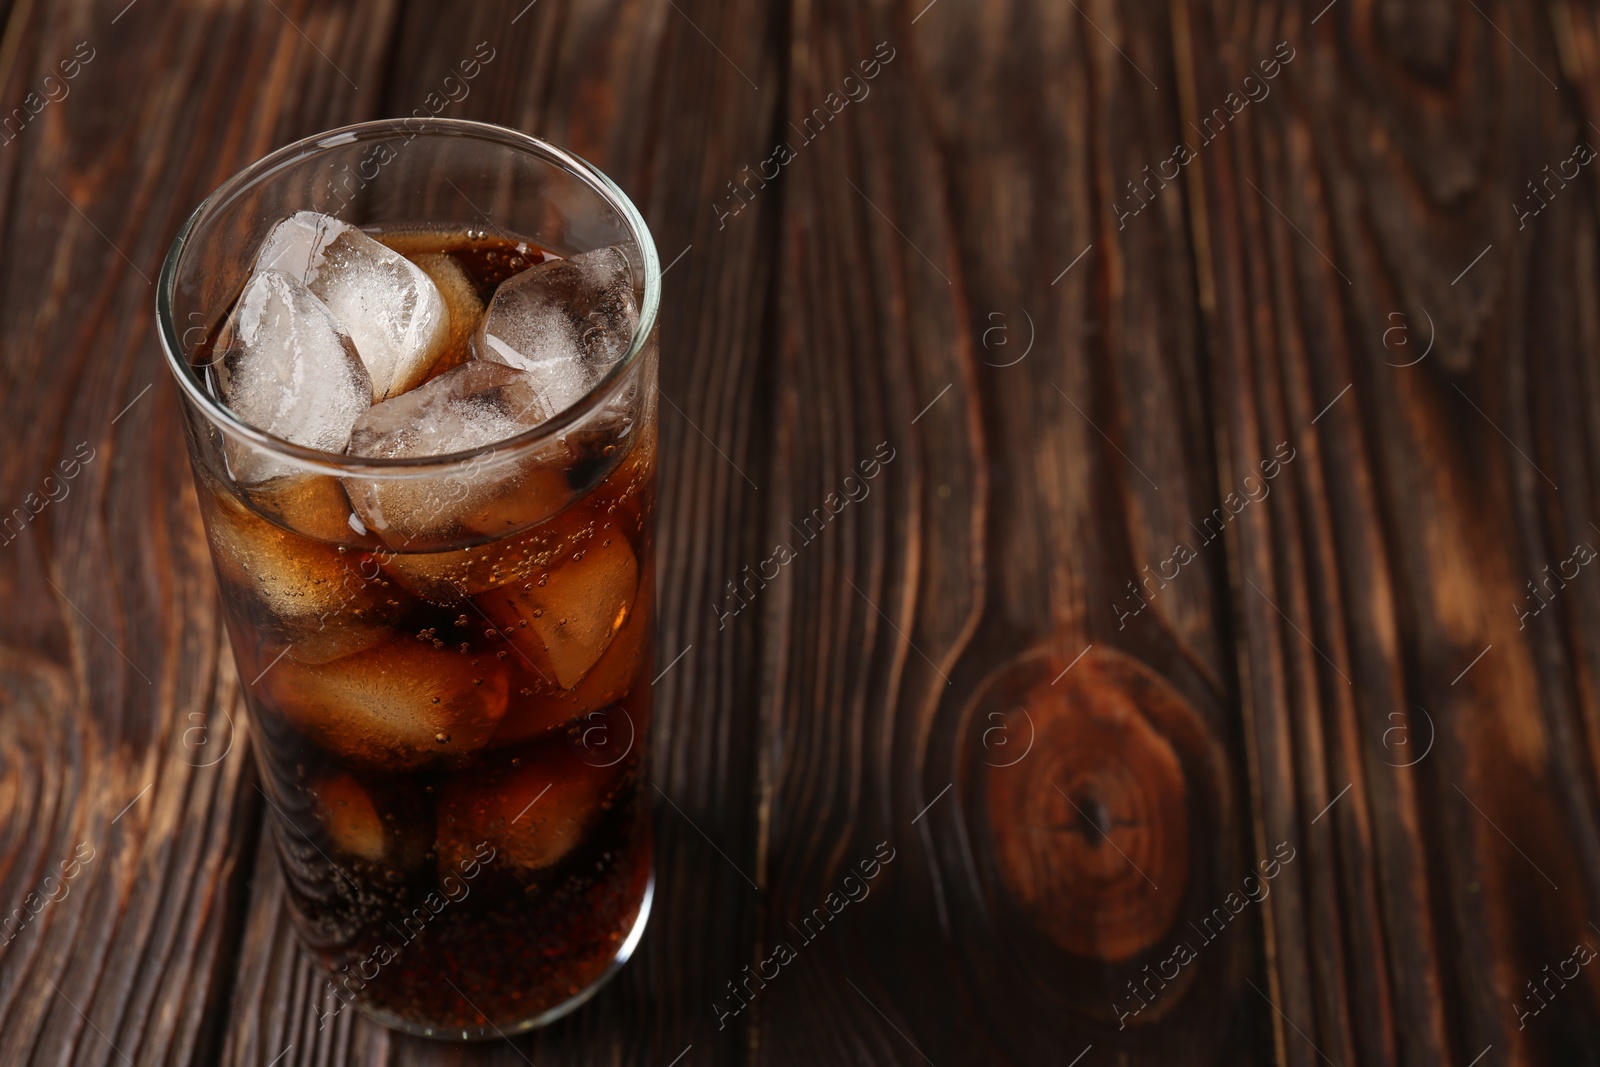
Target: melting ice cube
<point>564,322</point>
<point>478,403</point>
<point>398,706</point>
<point>389,305</point>
<point>287,367</point>
<point>532,814</point>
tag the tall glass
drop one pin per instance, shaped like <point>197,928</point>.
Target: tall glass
<point>451,704</point>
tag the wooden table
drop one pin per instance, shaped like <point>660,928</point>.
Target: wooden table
<point>1216,656</point>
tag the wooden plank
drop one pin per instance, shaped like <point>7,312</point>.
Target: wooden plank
<point>1373,298</point>
<point>641,91</point>
<point>967,608</point>
<point>1389,711</point>
<point>127,796</point>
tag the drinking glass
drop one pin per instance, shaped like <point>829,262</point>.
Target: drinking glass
<point>451,706</point>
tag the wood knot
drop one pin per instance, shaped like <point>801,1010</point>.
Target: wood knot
<point>1087,798</point>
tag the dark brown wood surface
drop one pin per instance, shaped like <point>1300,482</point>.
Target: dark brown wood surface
<point>1226,519</point>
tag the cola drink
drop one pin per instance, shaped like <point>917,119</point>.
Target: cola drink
<point>443,626</point>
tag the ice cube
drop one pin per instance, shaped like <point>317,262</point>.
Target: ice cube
<point>528,717</point>
<point>518,557</point>
<point>565,322</point>
<point>613,677</point>
<point>395,707</point>
<point>473,405</point>
<point>462,302</point>
<point>532,814</point>
<point>539,490</point>
<point>389,305</point>
<point>476,404</point>
<point>287,367</point>
<point>295,585</point>
<point>375,819</point>
<point>312,504</point>
<point>622,666</point>
<point>349,817</point>
<point>329,639</point>
<point>569,621</point>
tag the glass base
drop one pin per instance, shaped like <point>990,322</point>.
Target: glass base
<point>544,1018</point>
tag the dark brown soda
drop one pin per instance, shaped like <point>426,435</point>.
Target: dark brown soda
<point>452,739</point>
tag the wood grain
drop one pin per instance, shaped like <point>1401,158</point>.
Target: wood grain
<point>1428,745</point>
<point>1205,535</point>
<point>948,612</point>
<point>115,696</point>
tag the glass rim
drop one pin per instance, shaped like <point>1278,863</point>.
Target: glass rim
<point>380,129</point>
